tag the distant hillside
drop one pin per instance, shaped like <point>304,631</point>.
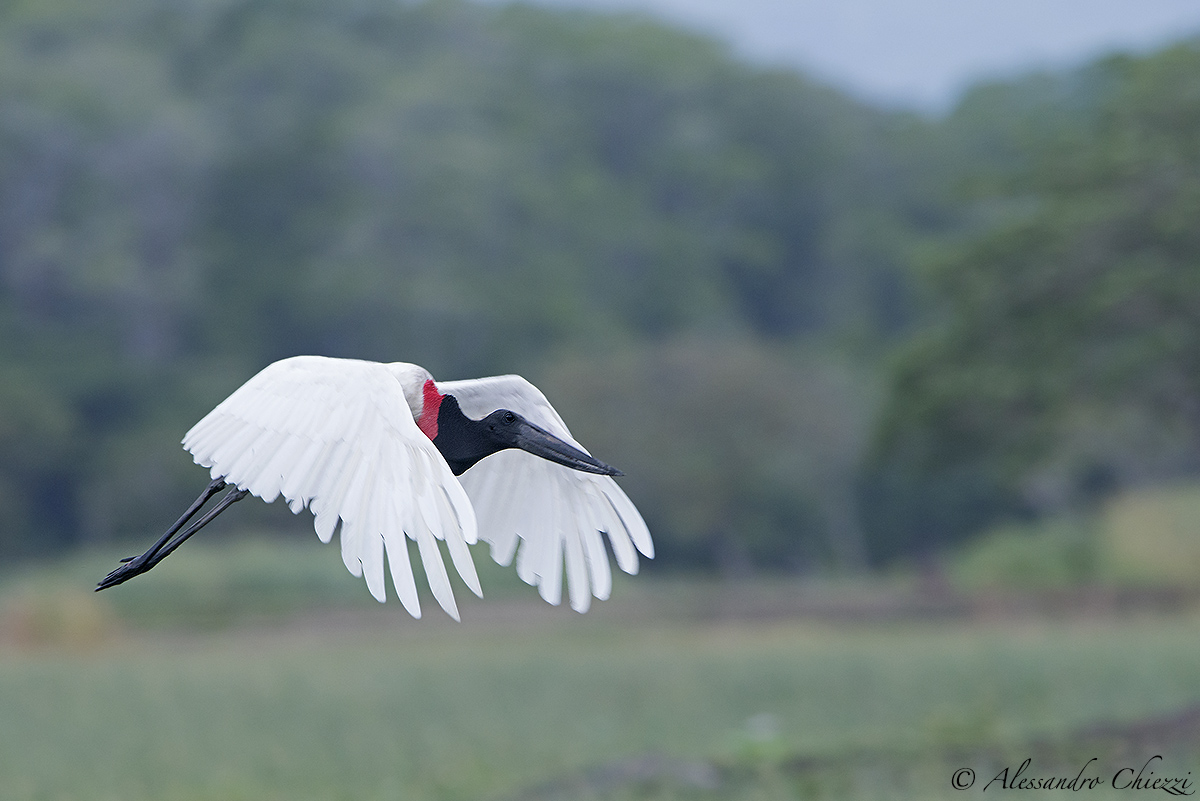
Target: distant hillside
<point>190,190</point>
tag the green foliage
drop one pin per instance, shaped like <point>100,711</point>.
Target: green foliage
<point>1052,554</point>
<point>1061,359</point>
<point>1137,539</point>
<point>1149,537</point>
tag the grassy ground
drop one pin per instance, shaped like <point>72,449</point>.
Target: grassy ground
<point>356,701</point>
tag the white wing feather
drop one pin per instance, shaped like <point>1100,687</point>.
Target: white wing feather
<point>337,435</point>
<point>557,513</point>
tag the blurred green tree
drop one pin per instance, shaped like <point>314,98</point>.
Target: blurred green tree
<point>1065,357</point>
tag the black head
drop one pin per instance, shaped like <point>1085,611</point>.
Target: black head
<point>463,441</point>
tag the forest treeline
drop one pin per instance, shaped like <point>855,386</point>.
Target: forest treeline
<point>810,331</point>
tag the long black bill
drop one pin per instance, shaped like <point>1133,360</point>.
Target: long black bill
<point>168,542</point>
<point>540,442</point>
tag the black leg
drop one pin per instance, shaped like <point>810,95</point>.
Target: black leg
<point>212,489</point>
<point>136,565</point>
<point>230,498</point>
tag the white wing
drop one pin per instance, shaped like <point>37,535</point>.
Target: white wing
<point>337,435</point>
<point>558,513</point>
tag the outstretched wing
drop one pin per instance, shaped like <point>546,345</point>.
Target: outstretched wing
<point>337,435</point>
<point>557,513</point>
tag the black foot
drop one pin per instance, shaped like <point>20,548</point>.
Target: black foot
<point>130,566</point>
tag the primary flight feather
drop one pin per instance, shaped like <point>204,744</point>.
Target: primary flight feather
<point>392,456</point>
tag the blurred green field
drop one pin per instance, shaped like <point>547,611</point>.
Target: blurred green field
<point>650,696</point>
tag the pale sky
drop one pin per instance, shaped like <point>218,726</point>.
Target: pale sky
<point>922,53</point>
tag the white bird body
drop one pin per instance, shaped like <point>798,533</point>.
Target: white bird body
<point>354,441</point>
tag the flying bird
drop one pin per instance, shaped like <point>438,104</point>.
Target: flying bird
<point>393,455</point>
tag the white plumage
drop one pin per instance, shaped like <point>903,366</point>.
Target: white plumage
<point>553,510</point>
<point>340,436</point>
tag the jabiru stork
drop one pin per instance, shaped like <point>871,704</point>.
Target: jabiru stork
<point>392,454</point>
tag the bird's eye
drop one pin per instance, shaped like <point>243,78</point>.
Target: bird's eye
<point>509,418</point>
